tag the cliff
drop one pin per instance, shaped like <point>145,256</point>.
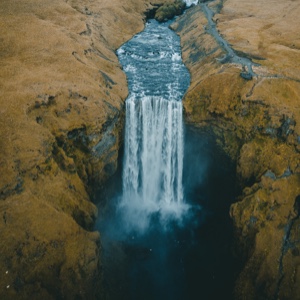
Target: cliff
<point>244,61</point>
<point>61,117</point>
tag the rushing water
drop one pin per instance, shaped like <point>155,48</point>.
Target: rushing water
<point>191,2</point>
<point>153,159</point>
<point>166,232</point>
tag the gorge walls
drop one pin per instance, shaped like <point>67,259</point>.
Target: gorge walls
<point>61,115</point>
<point>257,120</point>
<point>62,94</point>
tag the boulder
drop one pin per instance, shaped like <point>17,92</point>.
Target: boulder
<point>169,10</point>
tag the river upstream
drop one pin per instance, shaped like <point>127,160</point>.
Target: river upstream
<point>166,232</point>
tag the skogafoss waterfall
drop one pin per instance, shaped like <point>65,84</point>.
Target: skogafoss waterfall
<point>154,150</point>
<point>166,231</point>
<point>153,158</point>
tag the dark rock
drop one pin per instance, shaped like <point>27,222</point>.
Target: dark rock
<point>151,12</point>
<point>169,11</point>
<point>297,205</point>
<point>246,76</point>
<point>286,128</point>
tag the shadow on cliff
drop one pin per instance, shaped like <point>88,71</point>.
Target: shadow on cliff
<point>190,260</point>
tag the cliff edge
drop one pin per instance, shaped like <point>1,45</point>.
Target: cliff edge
<point>62,92</point>
<point>244,59</point>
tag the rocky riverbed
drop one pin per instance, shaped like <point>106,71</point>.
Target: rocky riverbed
<point>61,118</point>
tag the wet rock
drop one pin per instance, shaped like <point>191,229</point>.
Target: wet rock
<point>246,76</point>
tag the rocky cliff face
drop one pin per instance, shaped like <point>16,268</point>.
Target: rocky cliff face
<point>61,113</point>
<point>244,61</point>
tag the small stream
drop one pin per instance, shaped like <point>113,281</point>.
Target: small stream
<point>166,231</point>
<point>231,56</point>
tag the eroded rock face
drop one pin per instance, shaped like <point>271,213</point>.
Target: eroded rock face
<point>257,119</point>
<point>61,114</point>
<point>169,10</point>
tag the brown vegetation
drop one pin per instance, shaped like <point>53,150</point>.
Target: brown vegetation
<point>258,123</point>
<point>62,92</point>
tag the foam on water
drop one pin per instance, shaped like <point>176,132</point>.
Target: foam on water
<point>191,2</point>
<point>152,177</point>
<point>155,245</point>
<point>153,159</point>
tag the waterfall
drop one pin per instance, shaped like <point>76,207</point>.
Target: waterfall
<point>153,150</point>
<point>153,158</point>
<point>191,2</point>
<point>160,239</point>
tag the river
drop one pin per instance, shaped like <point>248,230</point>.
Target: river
<point>166,232</point>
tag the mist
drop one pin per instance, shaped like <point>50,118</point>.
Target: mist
<point>162,228</point>
<point>154,253</point>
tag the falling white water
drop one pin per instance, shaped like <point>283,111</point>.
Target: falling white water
<point>191,2</point>
<point>153,158</point>
<point>153,151</point>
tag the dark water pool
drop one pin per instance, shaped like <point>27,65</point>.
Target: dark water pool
<point>182,258</point>
<point>192,260</point>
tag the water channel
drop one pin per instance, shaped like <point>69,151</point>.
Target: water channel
<point>166,231</point>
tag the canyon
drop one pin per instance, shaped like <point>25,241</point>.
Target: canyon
<point>61,126</point>
<point>257,120</point>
